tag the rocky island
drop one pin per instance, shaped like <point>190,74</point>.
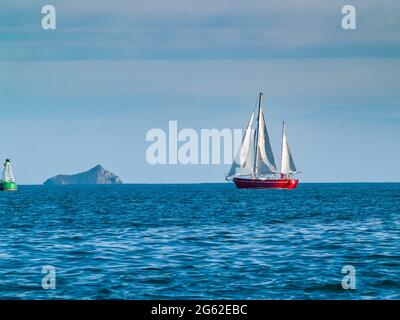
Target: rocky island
<point>96,175</point>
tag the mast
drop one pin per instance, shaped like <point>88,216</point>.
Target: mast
<point>283,134</point>
<point>255,169</point>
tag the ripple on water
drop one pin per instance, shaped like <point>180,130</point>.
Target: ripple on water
<point>200,241</point>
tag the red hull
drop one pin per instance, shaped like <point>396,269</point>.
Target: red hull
<point>265,183</point>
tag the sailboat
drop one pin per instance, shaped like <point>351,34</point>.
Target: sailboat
<point>254,165</point>
<point>7,182</point>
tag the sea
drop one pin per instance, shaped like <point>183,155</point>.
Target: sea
<point>201,241</point>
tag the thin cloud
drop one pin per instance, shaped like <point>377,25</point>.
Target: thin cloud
<point>188,29</point>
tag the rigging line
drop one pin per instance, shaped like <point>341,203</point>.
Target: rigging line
<point>253,110</point>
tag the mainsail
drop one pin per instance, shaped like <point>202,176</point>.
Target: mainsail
<point>287,166</point>
<point>243,164</point>
<point>265,159</point>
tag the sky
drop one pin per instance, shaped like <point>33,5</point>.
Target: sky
<point>88,92</point>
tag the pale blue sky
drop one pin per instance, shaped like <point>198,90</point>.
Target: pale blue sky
<point>87,93</point>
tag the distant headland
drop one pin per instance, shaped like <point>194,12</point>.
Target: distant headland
<point>96,175</point>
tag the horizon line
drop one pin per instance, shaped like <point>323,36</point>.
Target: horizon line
<point>196,183</point>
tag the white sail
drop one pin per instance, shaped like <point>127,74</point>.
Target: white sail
<point>287,166</point>
<point>265,161</point>
<point>7,175</point>
<point>243,164</point>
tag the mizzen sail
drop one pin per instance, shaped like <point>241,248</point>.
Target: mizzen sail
<point>287,166</point>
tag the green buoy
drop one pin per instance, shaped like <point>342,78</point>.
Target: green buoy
<point>7,182</point>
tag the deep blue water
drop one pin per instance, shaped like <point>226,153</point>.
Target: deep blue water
<point>201,242</point>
